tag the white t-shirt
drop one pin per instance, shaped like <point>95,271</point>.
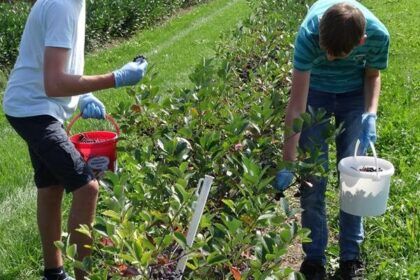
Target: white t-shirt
<point>51,23</point>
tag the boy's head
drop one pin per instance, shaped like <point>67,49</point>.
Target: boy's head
<point>342,27</point>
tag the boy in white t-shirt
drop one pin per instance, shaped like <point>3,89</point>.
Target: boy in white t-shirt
<point>45,88</point>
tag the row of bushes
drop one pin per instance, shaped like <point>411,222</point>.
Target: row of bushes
<point>12,21</point>
<point>106,19</point>
<point>228,125</point>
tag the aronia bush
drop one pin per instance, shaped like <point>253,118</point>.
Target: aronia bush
<point>230,126</point>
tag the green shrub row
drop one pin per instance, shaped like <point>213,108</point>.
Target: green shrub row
<point>106,19</point>
<point>228,125</point>
<point>12,22</point>
<point>120,18</point>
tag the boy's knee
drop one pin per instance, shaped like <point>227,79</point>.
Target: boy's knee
<point>90,190</point>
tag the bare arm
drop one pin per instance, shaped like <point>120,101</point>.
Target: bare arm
<point>58,83</point>
<point>372,88</point>
<point>296,106</point>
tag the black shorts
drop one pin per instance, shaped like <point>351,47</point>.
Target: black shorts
<point>54,158</point>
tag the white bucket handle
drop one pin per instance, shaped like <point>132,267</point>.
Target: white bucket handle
<point>374,155</point>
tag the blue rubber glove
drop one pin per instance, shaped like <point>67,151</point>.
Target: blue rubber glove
<point>131,73</point>
<point>368,130</point>
<point>283,180</point>
<point>91,107</point>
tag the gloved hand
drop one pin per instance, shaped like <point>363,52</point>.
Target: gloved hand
<point>368,130</point>
<point>283,180</point>
<point>91,107</point>
<point>131,73</point>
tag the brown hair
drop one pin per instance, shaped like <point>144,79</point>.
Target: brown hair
<point>341,28</point>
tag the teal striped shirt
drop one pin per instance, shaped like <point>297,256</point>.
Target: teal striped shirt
<point>340,75</point>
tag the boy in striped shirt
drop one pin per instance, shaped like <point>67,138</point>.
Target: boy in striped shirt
<point>339,51</point>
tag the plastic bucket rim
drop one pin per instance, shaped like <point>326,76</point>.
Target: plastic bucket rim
<point>77,135</point>
<point>345,166</point>
<point>388,167</point>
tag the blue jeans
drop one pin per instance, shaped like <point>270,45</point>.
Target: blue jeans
<point>346,108</point>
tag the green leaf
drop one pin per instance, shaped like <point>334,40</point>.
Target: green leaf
<point>267,216</point>
<point>78,265</point>
<point>113,178</point>
<point>167,240</point>
<point>205,221</point>
<point>191,266</point>
<point>221,227</point>
<point>119,191</point>
<point>285,206</point>
<point>112,214</point>
<point>233,225</point>
<point>87,263</point>
<point>264,183</point>
<point>297,125</point>
<point>230,204</point>
<point>281,252</point>
<point>138,249</point>
<point>148,244</point>
<point>277,220</point>
<point>215,258</point>
<point>59,245</point>
<point>84,229</point>
<point>180,189</point>
<point>186,132</point>
<point>180,238</point>
<point>307,120</point>
<point>128,258</point>
<point>182,149</point>
<point>320,114</point>
<point>286,236</point>
<point>256,264</point>
<point>71,251</point>
<point>161,145</point>
<point>145,259</point>
<point>270,257</point>
<point>110,228</point>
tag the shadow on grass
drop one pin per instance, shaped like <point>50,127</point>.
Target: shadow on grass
<point>17,274</point>
<point>9,276</point>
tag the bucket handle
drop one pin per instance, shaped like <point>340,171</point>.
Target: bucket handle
<point>107,117</point>
<point>374,154</point>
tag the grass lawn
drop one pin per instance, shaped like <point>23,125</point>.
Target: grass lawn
<point>172,48</point>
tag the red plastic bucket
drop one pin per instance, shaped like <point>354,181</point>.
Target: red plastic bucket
<point>98,148</point>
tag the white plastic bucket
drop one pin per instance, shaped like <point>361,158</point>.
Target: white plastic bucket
<point>364,193</point>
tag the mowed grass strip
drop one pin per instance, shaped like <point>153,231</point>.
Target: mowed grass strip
<point>173,48</point>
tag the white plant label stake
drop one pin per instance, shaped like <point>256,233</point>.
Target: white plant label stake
<point>202,192</point>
